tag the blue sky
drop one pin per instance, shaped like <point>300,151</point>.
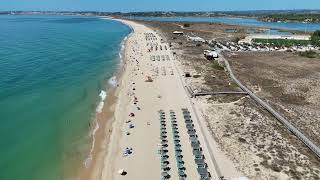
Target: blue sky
<point>157,5</point>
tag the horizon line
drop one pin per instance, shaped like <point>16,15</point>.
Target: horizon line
<point>150,11</point>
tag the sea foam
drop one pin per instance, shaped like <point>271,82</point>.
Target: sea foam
<point>113,81</point>
<point>103,95</point>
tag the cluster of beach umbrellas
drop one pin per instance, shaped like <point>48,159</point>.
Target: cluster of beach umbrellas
<point>163,151</point>
<point>177,146</point>
<point>202,167</point>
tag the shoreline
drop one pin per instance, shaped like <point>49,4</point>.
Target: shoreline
<point>104,119</point>
<point>153,96</point>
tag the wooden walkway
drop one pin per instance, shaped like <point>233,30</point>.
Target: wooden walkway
<point>218,93</point>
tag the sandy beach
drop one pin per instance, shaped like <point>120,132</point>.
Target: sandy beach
<point>151,81</point>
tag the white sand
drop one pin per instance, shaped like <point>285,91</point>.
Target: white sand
<point>166,92</point>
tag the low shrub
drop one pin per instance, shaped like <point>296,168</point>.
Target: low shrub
<point>309,54</point>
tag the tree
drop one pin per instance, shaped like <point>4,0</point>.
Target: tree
<point>315,38</point>
<point>186,25</point>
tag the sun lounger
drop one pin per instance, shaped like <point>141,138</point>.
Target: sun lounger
<point>161,137</point>
<point>195,146</point>
<point>189,125</point>
<point>203,171</point>
<point>164,140</point>
<point>188,121</point>
<point>181,173</point>
<point>165,175</point>
<point>176,138</point>
<point>190,128</point>
<point>197,153</point>
<point>199,161</point>
<point>164,143</point>
<point>199,156</point>
<point>193,136</point>
<point>181,167</point>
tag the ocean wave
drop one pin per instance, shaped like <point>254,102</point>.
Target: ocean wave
<point>113,81</point>
<point>120,56</point>
<point>103,95</point>
<point>122,48</point>
<point>89,158</point>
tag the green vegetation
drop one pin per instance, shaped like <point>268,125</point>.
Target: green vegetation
<point>315,38</point>
<point>234,85</point>
<point>238,38</point>
<point>186,25</point>
<point>286,42</point>
<point>292,17</point>
<point>215,65</point>
<point>309,54</point>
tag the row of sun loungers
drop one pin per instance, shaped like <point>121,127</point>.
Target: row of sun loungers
<point>158,58</point>
<point>152,44</point>
<point>163,151</point>
<point>199,158</point>
<point>177,147</point>
<point>150,36</point>
<point>164,72</point>
<point>156,47</point>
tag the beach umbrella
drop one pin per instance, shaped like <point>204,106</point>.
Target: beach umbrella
<point>164,174</point>
<point>181,173</point>
<point>122,172</point>
<point>165,162</point>
<point>164,140</point>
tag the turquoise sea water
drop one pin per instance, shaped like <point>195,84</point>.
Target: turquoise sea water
<point>52,69</point>
<point>242,21</point>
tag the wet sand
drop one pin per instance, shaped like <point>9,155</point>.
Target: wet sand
<point>105,119</point>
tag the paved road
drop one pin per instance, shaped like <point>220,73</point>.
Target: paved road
<point>285,122</point>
